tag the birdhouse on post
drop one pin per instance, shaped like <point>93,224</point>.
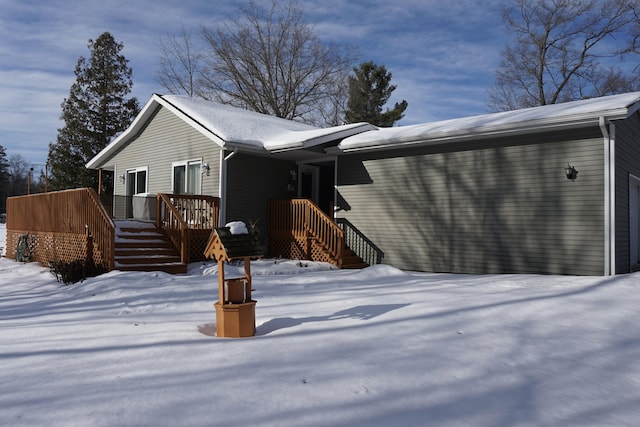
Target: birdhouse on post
<point>235,309</point>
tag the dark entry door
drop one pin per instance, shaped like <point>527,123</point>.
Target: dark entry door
<point>308,187</point>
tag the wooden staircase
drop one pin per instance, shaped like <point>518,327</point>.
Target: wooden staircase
<point>298,229</point>
<point>141,246</point>
<point>351,260</point>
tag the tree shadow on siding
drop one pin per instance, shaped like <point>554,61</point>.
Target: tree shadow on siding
<point>494,210</point>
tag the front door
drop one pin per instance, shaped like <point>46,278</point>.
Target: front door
<point>309,183</point>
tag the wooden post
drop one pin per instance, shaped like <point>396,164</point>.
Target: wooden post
<point>89,255</point>
<point>100,182</point>
<point>247,276</point>
<point>159,210</point>
<point>184,245</point>
<point>220,281</point>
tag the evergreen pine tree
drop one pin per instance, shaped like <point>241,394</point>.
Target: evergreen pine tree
<point>95,112</point>
<point>369,91</point>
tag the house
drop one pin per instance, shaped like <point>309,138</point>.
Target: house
<point>552,189</point>
<point>498,193</point>
<point>182,145</point>
<point>189,147</point>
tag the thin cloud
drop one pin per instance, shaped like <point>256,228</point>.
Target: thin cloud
<point>441,53</point>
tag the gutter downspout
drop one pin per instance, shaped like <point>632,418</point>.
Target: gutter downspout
<point>222,186</point>
<point>334,214</point>
<point>609,197</point>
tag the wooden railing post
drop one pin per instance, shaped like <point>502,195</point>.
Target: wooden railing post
<point>89,253</point>
<point>185,246</point>
<point>159,211</point>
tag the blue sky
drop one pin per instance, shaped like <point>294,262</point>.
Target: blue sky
<point>442,53</point>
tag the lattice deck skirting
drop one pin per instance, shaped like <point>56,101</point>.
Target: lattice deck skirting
<point>49,246</point>
<point>291,248</point>
<point>197,244</point>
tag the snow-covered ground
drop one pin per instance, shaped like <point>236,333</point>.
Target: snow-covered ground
<point>376,347</point>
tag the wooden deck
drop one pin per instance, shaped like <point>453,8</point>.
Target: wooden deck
<point>62,226</point>
<point>72,224</point>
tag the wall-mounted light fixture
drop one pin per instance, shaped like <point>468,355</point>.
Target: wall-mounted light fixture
<point>123,178</point>
<point>571,172</point>
<point>204,168</point>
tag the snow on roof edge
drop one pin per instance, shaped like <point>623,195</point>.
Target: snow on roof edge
<point>228,125</point>
<point>307,139</point>
<point>569,114</point>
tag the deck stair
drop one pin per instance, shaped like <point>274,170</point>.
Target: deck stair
<point>352,261</point>
<point>141,246</point>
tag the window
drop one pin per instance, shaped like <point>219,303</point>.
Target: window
<point>136,181</point>
<point>187,177</point>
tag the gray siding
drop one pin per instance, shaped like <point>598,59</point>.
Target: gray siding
<point>627,146</point>
<point>484,207</point>
<point>167,139</point>
<point>251,182</point>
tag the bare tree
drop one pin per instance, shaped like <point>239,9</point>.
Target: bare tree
<point>269,60</point>
<point>557,51</point>
<point>18,173</point>
<point>634,42</point>
<point>331,112</point>
<point>610,81</point>
<point>179,64</point>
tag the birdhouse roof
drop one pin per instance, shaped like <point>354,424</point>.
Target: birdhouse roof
<point>225,246</point>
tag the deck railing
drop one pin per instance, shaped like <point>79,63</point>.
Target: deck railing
<point>187,220</point>
<point>62,219</point>
<point>360,244</point>
<point>300,229</point>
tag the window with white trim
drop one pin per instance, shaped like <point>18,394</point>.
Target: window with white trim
<point>187,177</point>
<point>136,181</point>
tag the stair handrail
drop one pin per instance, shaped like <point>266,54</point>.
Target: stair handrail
<point>326,232</point>
<point>360,244</point>
<point>306,222</point>
<point>102,229</point>
<point>168,219</point>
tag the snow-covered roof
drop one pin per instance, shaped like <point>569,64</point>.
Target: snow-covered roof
<point>528,120</point>
<point>232,124</point>
<point>237,128</point>
<point>232,127</point>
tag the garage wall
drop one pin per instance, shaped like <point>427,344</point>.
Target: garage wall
<point>500,206</point>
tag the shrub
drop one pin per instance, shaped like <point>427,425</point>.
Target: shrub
<point>75,271</point>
